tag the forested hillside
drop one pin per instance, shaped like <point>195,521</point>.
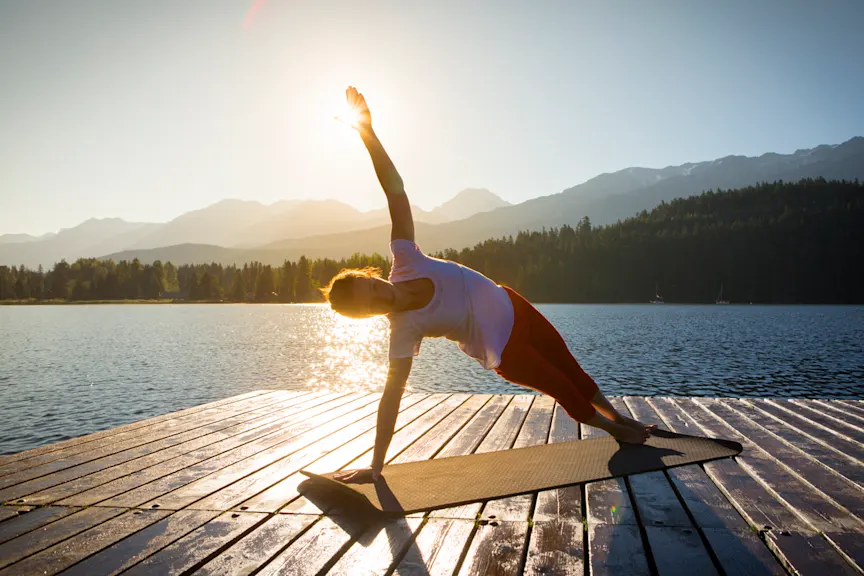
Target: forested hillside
<point>797,242</point>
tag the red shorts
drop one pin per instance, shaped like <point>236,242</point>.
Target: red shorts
<point>537,357</point>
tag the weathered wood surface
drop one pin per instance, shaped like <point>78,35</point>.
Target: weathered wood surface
<point>214,489</point>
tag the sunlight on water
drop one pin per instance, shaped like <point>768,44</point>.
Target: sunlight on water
<point>353,354</point>
<point>71,370</point>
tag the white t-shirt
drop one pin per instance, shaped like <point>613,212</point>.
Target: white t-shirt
<point>467,307</point>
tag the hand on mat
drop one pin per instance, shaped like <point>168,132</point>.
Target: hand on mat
<point>364,476</point>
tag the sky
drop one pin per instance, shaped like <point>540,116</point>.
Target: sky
<point>146,110</point>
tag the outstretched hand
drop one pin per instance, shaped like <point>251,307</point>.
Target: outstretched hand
<point>364,476</point>
<point>362,120</point>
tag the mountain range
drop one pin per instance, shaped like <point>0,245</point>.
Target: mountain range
<point>230,224</point>
<point>242,231</point>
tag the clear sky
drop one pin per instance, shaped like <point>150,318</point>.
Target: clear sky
<point>148,109</point>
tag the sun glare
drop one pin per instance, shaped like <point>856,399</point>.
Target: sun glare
<point>348,115</point>
<point>353,356</point>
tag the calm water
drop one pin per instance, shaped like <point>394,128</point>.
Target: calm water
<point>71,370</point>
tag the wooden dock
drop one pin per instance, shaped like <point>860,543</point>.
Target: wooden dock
<point>213,490</point>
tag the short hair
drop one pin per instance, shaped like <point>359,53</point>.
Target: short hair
<point>340,290</point>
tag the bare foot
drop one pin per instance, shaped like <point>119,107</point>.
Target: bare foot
<point>629,434</point>
<point>635,424</point>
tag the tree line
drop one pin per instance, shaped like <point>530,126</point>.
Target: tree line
<point>780,242</point>
<point>92,279</point>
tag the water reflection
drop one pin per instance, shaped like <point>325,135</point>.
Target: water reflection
<point>70,370</point>
<point>352,355</point>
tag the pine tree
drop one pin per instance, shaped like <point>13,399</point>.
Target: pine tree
<point>264,290</point>
<point>192,292</point>
<point>286,284</point>
<point>238,291</point>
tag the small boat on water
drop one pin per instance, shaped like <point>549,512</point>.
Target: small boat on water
<point>658,299</point>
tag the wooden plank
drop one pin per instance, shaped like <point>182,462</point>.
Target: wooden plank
<point>614,538</point>
<point>564,504</point>
<point>736,548</point>
<point>222,453</point>
<point>197,546</point>
<point>842,411</point>
<point>742,553</point>
<point>138,546</point>
<point>801,497</point>
<point>37,518</point>
<point>851,406</point>
<point>284,493</point>
<point>701,497</point>
<point>167,434</point>
<point>410,425</point>
<point>377,549</point>
<point>232,436</point>
<point>496,426</point>
<point>850,448</point>
<point>678,550</point>
<point>253,484</point>
<point>809,554</point>
<point>501,436</point>
<point>757,506</point>
<point>607,501</point>
<point>250,552</point>
<point>506,429</point>
<point>845,420</point>
<point>671,536</point>
<point>556,547</point>
<point>534,431</point>
<point>829,423</point>
<point>35,540</point>
<point>37,465</point>
<point>432,553</point>
<point>7,512</point>
<point>131,426</point>
<point>761,507</point>
<point>426,443</point>
<point>495,549</point>
<point>557,540</point>
<point>656,501</point>
<point>122,463</point>
<point>288,440</point>
<point>315,549</point>
<point>615,549</point>
<point>72,550</point>
<point>498,544</point>
<point>821,453</point>
<point>834,488</point>
<point>440,542</point>
<point>470,437</point>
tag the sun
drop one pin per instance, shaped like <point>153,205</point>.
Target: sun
<point>348,115</point>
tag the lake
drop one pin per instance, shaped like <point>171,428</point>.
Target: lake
<point>72,370</point>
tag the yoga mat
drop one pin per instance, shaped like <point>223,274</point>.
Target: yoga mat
<point>444,482</point>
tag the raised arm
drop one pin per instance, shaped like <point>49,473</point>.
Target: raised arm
<point>397,201</point>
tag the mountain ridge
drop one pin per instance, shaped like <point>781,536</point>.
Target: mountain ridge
<point>606,198</point>
<point>229,223</point>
